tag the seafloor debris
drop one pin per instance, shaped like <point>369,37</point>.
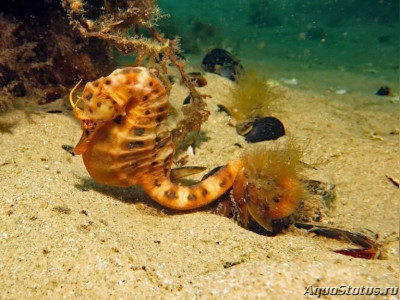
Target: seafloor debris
<point>63,209</point>
<point>394,181</point>
<point>223,63</point>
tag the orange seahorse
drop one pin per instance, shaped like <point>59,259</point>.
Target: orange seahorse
<point>126,140</point>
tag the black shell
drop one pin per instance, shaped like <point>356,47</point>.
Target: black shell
<point>265,129</point>
<point>223,63</point>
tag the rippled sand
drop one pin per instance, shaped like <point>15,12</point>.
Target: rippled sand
<point>63,235</point>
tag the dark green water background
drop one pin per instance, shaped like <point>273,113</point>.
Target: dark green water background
<point>320,43</point>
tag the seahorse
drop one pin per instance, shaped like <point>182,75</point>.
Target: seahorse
<point>126,140</point>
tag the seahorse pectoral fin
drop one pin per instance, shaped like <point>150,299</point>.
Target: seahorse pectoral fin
<point>83,144</point>
<point>89,130</point>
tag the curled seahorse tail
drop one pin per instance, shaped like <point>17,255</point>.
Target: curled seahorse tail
<point>168,194</point>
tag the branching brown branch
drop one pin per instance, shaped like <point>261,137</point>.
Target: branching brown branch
<point>113,26</point>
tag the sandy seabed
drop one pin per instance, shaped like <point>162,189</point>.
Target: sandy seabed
<point>62,235</point>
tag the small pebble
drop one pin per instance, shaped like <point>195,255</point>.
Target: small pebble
<point>291,81</point>
<point>190,151</point>
<point>341,92</point>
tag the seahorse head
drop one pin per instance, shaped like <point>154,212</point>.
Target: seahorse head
<point>94,108</point>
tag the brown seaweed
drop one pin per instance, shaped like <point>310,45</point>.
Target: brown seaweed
<point>40,57</point>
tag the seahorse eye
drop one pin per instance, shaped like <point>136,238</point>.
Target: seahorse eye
<point>89,124</point>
